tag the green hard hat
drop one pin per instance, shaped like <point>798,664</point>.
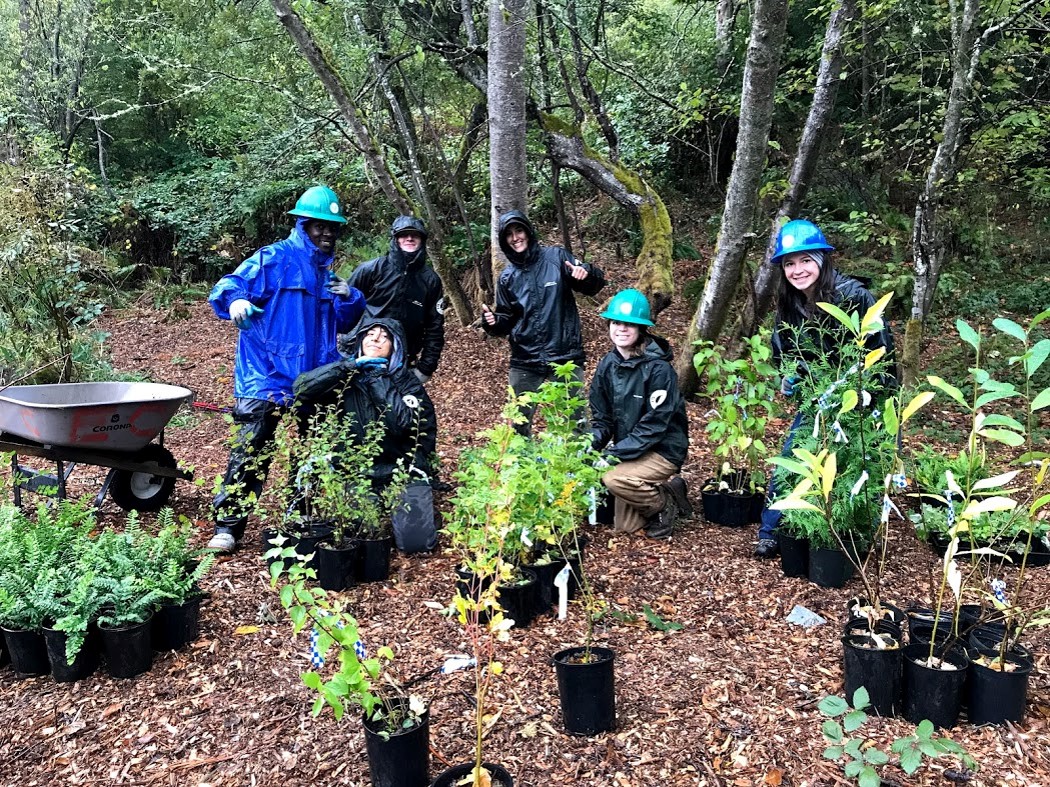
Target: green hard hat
<point>319,202</point>
<point>629,306</point>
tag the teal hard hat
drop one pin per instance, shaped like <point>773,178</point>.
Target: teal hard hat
<point>319,202</point>
<point>799,235</point>
<point>629,306</point>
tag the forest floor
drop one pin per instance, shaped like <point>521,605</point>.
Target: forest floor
<point>729,699</point>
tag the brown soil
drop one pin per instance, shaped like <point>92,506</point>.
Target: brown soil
<point>730,699</point>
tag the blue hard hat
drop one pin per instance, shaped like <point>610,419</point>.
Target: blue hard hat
<point>799,235</point>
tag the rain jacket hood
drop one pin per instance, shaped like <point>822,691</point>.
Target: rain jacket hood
<point>397,338</point>
<point>300,318</point>
<point>528,256</point>
<point>636,406</point>
<point>417,259</point>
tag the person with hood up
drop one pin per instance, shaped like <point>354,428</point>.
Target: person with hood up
<point>638,417</point>
<point>803,332</point>
<point>536,306</point>
<point>375,384</point>
<point>289,308</point>
<point>401,286</point>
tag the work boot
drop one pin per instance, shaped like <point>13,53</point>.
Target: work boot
<point>661,524</point>
<point>677,489</point>
<point>767,548</point>
<point>223,542</point>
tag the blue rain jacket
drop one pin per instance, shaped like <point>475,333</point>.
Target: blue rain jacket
<point>297,330</point>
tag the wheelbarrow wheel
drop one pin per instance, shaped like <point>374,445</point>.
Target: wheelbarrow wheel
<point>144,491</point>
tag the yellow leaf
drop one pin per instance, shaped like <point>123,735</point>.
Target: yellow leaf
<point>873,357</point>
<point>988,504</point>
<point>916,404</point>
<point>872,321</point>
<point>246,630</point>
<point>496,668</point>
<point>828,475</point>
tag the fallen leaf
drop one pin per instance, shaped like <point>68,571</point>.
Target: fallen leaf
<point>246,630</point>
<point>773,777</point>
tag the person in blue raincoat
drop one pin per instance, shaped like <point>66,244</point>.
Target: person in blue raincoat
<point>289,307</point>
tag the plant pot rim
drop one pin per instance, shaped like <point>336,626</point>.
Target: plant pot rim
<point>604,654</point>
<point>854,641</point>
<point>127,626</point>
<point>375,727</point>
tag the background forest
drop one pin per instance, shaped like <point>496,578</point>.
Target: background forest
<point>161,142</point>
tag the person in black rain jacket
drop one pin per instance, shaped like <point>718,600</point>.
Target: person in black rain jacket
<point>536,306</point>
<point>377,384</point>
<point>401,286</point>
<point>638,416</point>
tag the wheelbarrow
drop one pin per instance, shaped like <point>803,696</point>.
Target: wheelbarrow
<point>106,424</point>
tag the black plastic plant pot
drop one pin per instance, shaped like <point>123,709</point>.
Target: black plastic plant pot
<point>879,671</point>
<point>519,599</point>
<point>983,644</point>
<point>457,773</point>
<point>399,759</point>
<point>127,649</point>
<point>920,632</point>
<point>994,696</point>
<point>546,591</point>
<point>309,543</point>
<point>28,652</point>
<point>175,626</point>
<point>336,565</point>
<point>730,510</point>
<point>885,626</point>
<point>829,568</point>
<point>931,692</point>
<point>373,559</point>
<point>586,689</point>
<point>85,663</point>
<point>794,555</point>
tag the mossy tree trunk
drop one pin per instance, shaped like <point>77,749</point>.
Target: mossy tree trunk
<point>630,190</point>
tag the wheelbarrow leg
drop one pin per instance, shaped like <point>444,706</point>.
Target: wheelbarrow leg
<point>105,487</point>
<point>15,477</point>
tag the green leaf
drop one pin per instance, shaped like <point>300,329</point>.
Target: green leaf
<point>876,757</point>
<point>869,778</point>
<point>861,700</point>
<point>968,334</point>
<point>854,720</point>
<point>996,419</point>
<point>1039,318</point>
<point>846,319</point>
<point>1035,357</point>
<point>853,768</point>
<point>948,388</point>
<point>833,706</point>
<point>889,416</point>
<point>832,752</point>
<point>832,731</point>
<point>994,396</point>
<point>657,622</point>
<point>927,748</point>
<point>911,759</point>
<point>849,401</point>
<point>1041,400</point>
<point>1011,328</point>
<point>1004,436</point>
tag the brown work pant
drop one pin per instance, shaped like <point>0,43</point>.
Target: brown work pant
<point>635,485</point>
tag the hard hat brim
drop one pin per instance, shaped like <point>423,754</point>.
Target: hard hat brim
<point>608,315</point>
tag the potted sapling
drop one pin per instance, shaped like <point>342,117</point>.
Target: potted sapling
<point>742,394</point>
<point>396,724</point>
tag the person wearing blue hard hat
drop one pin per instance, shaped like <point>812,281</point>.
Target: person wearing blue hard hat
<point>802,331</point>
<point>289,308</point>
<point>638,417</point>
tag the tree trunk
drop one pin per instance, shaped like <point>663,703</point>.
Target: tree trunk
<point>725,21</point>
<point>756,115</point>
<point>927,234</point>
<point>654,263</point>
<point>805,163</point>
<point>508,20</point>
<point>329,77</point>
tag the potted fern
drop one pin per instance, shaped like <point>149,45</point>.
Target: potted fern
<point>175,569</point>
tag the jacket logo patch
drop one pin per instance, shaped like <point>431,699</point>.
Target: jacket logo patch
<point>657,398</point>
<point>441,305</point>
<point>551,284</point>
<point>417,303</point>
<point>410,401</point>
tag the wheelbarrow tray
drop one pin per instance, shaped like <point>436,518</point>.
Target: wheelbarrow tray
<point>108,416</point>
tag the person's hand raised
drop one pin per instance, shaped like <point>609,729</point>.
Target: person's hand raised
<point>487,315</point>
<point>577,272</point>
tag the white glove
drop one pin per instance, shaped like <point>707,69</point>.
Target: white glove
<point>420,376</point>
<point>241,312</point>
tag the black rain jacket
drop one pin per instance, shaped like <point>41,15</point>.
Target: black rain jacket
<point>636,406</point>
<point>803,337</point>
<point>409,291</point>
<point>394,395</point>
<point>535,302</point>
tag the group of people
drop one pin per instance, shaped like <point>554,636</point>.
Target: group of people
<point>377,337</point>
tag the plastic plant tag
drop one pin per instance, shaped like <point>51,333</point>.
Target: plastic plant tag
<point>561,581</point>
<point>592,515</point>
<point>456,663</point>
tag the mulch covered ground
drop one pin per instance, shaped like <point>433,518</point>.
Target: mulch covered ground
<point>730,699</point>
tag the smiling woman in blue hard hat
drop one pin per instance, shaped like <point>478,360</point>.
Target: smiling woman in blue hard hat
<point>289,308</point>
<point>807,277</point>
<point>638,417</point>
